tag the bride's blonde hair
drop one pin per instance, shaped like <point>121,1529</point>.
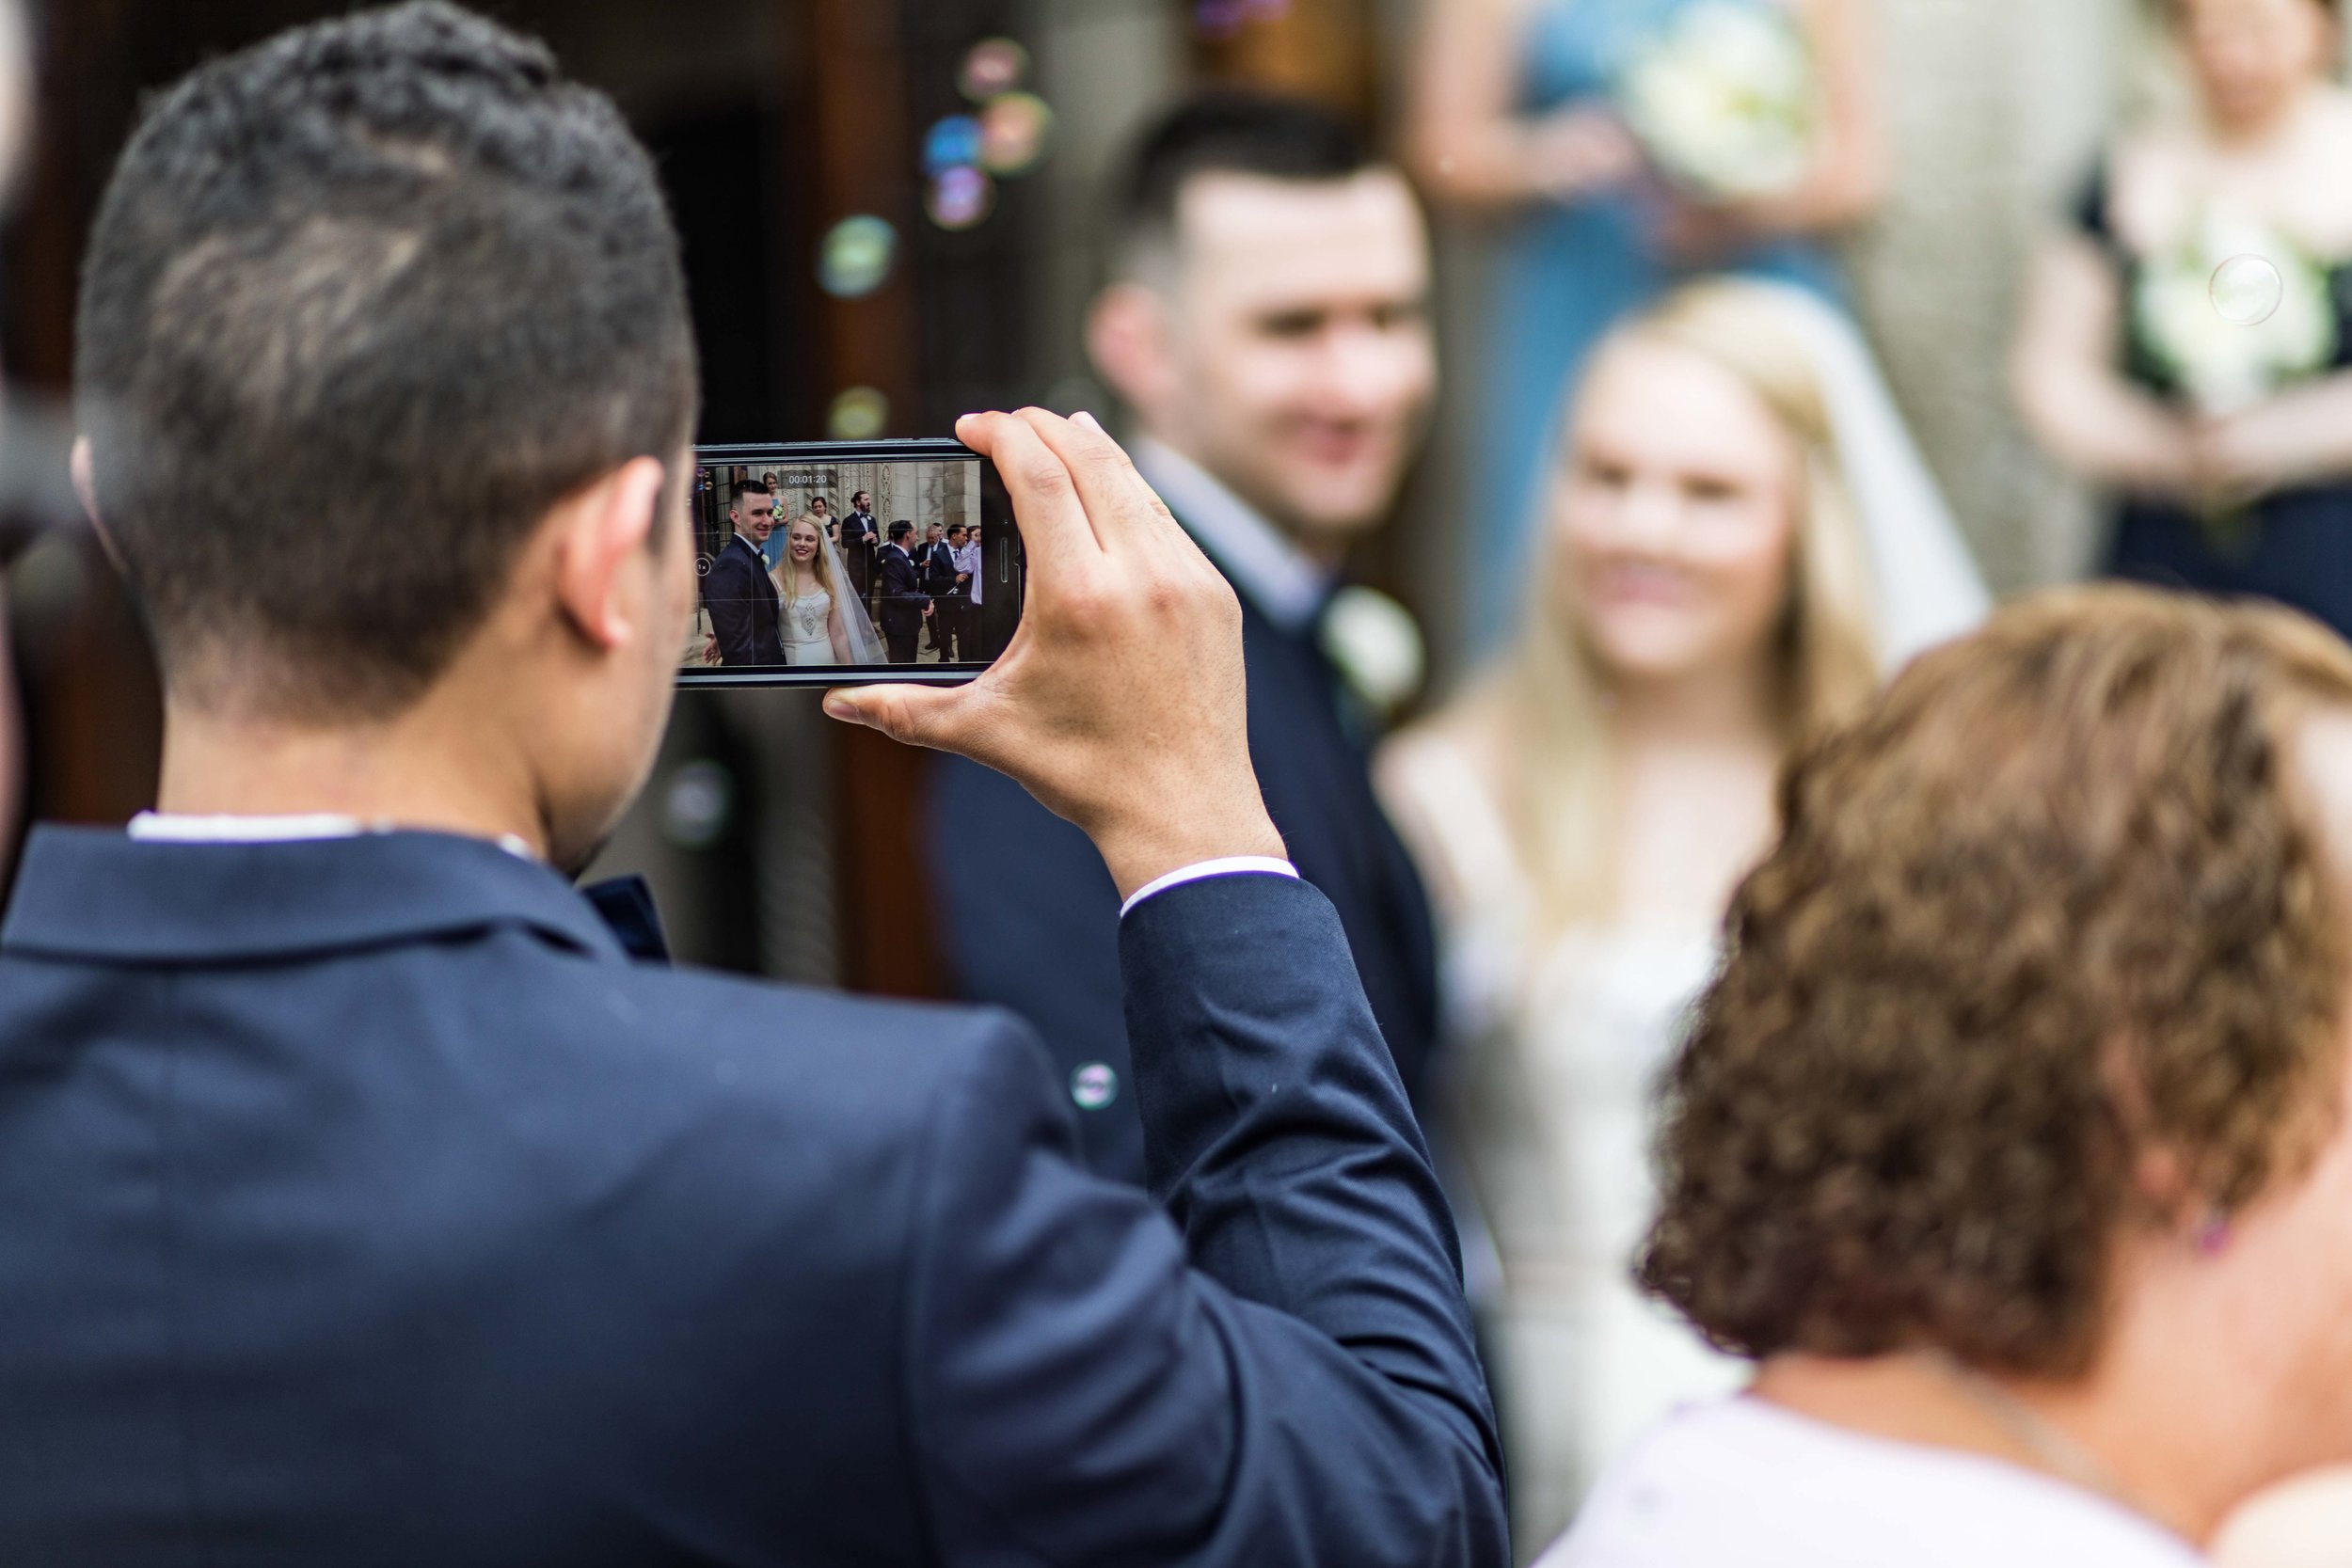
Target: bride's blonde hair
<point>821,563</point>
<point>1544,710</point>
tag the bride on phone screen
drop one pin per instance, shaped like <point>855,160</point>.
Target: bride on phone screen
<point>821,624</point>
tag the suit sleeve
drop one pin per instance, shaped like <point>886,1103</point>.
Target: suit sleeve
<point>1287,1378</point>
<point>731,613</point>
<point>1032,925</point>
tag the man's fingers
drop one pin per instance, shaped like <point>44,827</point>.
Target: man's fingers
<point>909,714</point>
<point>1046,502</point>
<point>1121,504</point>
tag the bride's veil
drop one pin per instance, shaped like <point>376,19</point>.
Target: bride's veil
<point>865,644</point>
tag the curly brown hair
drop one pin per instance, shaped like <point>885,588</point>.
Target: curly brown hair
<point>2047,918</point>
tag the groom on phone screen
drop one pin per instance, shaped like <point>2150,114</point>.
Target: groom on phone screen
<point>904,604</point>
<point>739,593</point>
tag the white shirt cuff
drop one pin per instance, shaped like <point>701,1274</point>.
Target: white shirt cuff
<point>1231,866</point>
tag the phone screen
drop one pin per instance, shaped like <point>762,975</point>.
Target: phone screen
<point>816,564</point>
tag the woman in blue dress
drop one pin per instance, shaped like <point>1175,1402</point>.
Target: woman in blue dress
<point>2224,433</point>
<point>1515,114</point>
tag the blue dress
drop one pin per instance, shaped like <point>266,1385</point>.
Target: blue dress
<point>2292,547</point>
<point>1563,277</point>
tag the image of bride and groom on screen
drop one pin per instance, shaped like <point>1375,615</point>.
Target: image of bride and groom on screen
<point>806,610</point>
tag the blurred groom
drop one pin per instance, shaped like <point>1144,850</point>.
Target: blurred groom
<point>1265,317</point>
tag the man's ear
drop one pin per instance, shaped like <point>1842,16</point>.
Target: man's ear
<point>83,465</point>
<point>1131,339</point>
<point>601,532</point>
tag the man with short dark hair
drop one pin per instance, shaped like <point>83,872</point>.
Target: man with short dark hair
<point>1267,318</point>
<point>859,536</point>
<point>738,593</point>
<point>905,605</point>
<point>369,1202</point>
<point>935,562</point>
<point>963,550</point>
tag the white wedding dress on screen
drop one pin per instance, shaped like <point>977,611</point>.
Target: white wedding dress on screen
<point>808,630</point>
<point>807,621</point>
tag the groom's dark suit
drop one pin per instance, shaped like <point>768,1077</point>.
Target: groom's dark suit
<point>903,602</point>
<point>741,598</point>
<point>366,1204</point>
<point>1032,920</point>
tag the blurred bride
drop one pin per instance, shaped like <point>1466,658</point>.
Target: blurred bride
<point>1705,594</point>
<point>820,626</point>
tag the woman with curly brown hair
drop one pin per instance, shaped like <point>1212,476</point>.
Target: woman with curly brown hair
<point>2011,1140</point>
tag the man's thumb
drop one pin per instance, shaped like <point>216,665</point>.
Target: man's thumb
<point>909,714</point>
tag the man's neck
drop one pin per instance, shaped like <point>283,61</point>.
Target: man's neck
<point>393,773</point>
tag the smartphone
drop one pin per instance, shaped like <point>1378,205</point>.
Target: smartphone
<point>835,563</point>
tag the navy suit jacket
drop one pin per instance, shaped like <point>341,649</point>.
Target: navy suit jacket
<point>902,595</point>
<point>1031,917</point>
<point>741,598</point>
<point>367,1204</point>
<point>937,565</point>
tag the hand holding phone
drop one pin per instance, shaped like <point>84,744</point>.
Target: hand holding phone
<point>1120,703</point>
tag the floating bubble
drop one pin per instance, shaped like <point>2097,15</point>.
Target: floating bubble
<point>1225,18</point>
<point>953,143</point>
<point>1094,1086</point>
<point>698,803</point>
<point>859,414</point>
<point>2247,291</point>
<point>1015,129</point>
<point>993,66</point>
<point>856,256</point>
<point>960,198</point>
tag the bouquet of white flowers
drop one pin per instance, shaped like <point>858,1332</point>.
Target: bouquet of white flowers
<point>1726,100</point>
<point>2224,365</point>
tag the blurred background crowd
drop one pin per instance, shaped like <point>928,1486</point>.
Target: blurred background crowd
<point>1866,311</point>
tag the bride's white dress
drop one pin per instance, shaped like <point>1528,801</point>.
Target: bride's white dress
<point>1557,1045</point>
<point>807,627</point>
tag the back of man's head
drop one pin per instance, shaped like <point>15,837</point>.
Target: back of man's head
<point>1221,131</point>
<point>361,304</point>
<point>901,530</point>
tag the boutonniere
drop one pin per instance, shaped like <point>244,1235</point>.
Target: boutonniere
<point>1376,645</point>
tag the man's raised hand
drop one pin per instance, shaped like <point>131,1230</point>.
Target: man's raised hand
<point>1120,703</point>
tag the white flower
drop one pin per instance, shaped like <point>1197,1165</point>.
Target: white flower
<point>2223,366</point>
<point>1726,100</point>
<point>1376,645</point>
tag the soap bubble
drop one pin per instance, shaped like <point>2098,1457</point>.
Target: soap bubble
<point>1014,130</point>
<point>993,66</point>
<point>1094,1086</point>
<point>1225,18</point>
<point>2247,291</point>
<point>856,256</point>
<point>953,143</point>
<point>696,807</point>
<point>859,414</point>
<point>960,198</point>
